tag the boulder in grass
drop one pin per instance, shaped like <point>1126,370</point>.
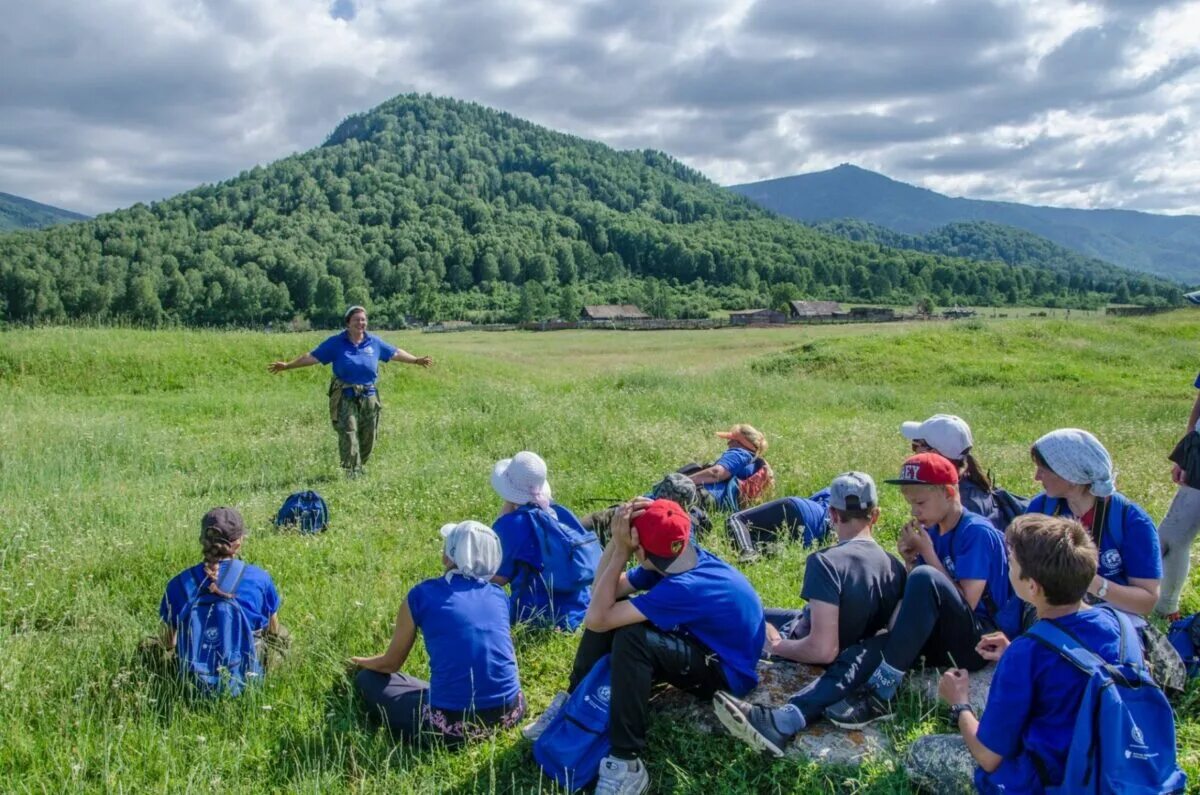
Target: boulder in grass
<point>926,684</point>
<point>823,743</point>
<point>940,763</point>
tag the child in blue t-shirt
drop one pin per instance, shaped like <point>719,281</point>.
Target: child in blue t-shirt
<point>473,686</point>
<point>1022,741</point>
<point>1077,474</point>
<point>222,532</point>
<point>521,482</point>
<point>957,589</point>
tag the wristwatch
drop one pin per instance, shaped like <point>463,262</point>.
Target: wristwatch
<point>1102,591</point>
<point>956,711</point>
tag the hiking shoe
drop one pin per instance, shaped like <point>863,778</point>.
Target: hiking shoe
<point>859,710</point>
<point>622,777</point>
<point>533,730</point>
<point>750,723</point>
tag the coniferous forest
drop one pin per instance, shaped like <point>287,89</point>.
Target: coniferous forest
<point>440,209</point>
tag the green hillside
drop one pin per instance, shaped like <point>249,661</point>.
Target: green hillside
<point>441,208</point>
<point>19,213</point>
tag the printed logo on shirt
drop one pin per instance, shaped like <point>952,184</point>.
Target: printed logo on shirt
<point>1110,560</point>
<point>948,562</point>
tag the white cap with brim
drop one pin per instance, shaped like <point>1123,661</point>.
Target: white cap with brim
<point>945,433</point>
<point>522,479</point>
<point>473,548</point>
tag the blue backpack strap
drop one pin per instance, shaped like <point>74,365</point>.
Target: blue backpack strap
<point>232,577</point>
<point>1067,645</point>
<point>1131,644</point>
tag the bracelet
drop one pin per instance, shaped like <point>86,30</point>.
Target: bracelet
<point>956,711</point>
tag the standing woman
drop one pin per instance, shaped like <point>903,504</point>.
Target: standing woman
<point>353,400</point>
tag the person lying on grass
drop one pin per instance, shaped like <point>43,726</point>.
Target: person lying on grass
<point>683,616</point>
<point>474,688</point>
<point>250,591</point>
<point>1076,473</point>
<point>521,482</point>
<point>745,445</point>
<point>1022,741</point>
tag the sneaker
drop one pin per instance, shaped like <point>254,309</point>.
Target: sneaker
<point>859,710</point>
<point>533,730</point>
<point>750,723</point>
<point>622,777</point>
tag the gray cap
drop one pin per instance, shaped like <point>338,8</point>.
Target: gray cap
<point>678,488</point>
<point>853,491</point>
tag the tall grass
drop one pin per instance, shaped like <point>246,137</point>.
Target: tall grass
<point>114,442</point>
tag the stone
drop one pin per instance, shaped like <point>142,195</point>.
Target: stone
<point>823,743</point>
<point>925,683</point>
<point>940,763</point>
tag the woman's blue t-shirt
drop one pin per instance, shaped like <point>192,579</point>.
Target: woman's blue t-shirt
<point>1034,697</point>
<point>472,665</point>
<point>1137,554</point>
<point>354,364</point>
<point>255,594</point>
<point>739,463</point>
<point>713,603</point>
<point>974,550</point>
<point>521,564</point>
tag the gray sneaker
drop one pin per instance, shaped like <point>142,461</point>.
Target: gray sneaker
<point>533,730</point>
<point>622,777</point>
<point>750,723</point>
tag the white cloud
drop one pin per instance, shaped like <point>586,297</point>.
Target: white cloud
<point>111,102</point>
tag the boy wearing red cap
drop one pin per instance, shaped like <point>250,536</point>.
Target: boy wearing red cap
<point>957,589</point>
<point>690,619</point>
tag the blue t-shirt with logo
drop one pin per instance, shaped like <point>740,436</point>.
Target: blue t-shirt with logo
<point>974,550</point>
<point>521,564</point>
<point>1137,554</point>
<point>354,364</point>
<point>713,603</point>
<point>739,463</point>
<point>255,594</point>
<point>472,664</point>
<point>1034,698</point>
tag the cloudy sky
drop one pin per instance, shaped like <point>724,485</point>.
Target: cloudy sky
<point>1087,104</point>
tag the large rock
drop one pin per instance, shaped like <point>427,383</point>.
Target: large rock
<point>940,763</point>
<point>823,743</point>
<point>926,683</point>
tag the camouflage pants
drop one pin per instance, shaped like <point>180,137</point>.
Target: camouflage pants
<point>357,426</point>
<point>941,763</point>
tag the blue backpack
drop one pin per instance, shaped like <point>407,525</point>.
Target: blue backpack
<point>216,643</point>
<point>305,509</point>
<point>1124,737</point>
<point>576,741</point>
<point>1184,635</point>
<point>570,553</point>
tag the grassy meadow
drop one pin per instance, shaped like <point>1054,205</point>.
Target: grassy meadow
<point>113,443</point>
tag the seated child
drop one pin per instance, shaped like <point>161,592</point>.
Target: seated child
<point>474,689</point>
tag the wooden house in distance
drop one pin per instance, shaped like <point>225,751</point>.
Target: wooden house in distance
<point>756,317</point>
<point>814,310</point>
<point>613,312</point>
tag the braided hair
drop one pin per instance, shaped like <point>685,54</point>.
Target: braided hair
<point>221,532</point>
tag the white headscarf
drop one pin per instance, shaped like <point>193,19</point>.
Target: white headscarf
<point>473,548</point>
<point>1077,456</point>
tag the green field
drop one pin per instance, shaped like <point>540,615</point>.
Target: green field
<point>114,442</point>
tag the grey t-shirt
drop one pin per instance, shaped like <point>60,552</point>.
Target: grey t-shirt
<point>863,580</point>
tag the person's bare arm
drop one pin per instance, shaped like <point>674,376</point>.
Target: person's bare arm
<point>1194,417</point>
<point>954,688</point>
<point>608,610</point>
<point>306,360</point>
<point>820,645</point>
<point>405,357</point>
<point>403,636</point>
<point>1139,596</point>
<point>713,474</point>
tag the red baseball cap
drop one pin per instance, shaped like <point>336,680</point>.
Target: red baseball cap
<point>927,469</point>
<point>665,532</point>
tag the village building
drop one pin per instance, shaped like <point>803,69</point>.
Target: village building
<point>613,312</point>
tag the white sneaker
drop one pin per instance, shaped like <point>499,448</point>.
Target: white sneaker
<point>622,777</point>
<point>533,730</point>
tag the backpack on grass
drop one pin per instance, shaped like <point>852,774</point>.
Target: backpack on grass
<point>1184,635</point>
<point>1124,736</point>
<point>576,741</point>
<point>570,553</point>
<point>304,509</point>
<point>216,643</point>
<point>757,487</point>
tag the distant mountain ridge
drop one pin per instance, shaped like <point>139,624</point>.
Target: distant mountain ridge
<point>1162,245</point>
<point>17,212</point>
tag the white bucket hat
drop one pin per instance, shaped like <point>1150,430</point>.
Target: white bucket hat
<point>522,479</point>
<point>945,433</point>
<point>473,547</point>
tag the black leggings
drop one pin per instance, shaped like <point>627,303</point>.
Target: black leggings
<point>641,656</point>
<point>936,623</point>
<point>400,703</point>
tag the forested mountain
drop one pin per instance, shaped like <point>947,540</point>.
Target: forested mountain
<point>446,209</point>
<point>1164,245</point>
<point>19,213</point>
<point>987,242</point>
